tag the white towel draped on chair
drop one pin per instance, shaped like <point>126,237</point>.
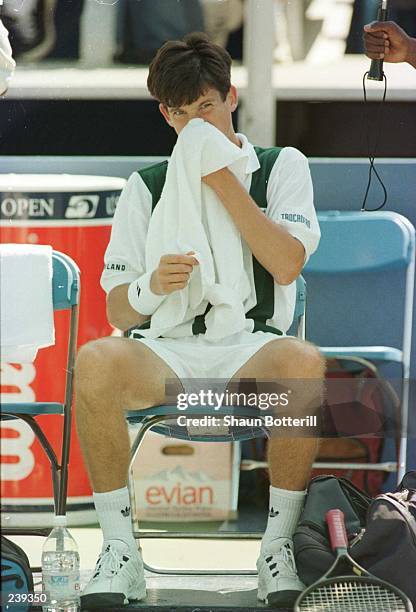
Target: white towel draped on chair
<point>190,217</point>
<point>26,301</point>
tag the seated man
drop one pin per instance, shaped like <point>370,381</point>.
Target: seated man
<point>274,213</point>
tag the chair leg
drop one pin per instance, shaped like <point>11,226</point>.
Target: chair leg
<point>50,453</point>
<point>63,471</point>
<point>402,450</point>
<point>144,428</point>
<point>67,426</point>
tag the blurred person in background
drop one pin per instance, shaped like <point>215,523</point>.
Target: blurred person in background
<point>7,63</point>
<point>387,41</point>
<point>143,27</point>
<point>44,29</point>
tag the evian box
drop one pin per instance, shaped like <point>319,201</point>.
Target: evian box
<point>180,480</point>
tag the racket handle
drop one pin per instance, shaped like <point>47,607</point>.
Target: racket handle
<point>376,68</point>
<point>336,526</point>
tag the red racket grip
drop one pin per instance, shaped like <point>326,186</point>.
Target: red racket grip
<point>336,526</point>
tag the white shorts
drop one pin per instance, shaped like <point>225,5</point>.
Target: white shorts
<point>211,364</point>
<point>195,357</point>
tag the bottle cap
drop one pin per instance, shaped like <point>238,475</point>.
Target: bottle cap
<point>59,520</point>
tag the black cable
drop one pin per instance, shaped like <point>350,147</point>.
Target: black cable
<point>372,155</point>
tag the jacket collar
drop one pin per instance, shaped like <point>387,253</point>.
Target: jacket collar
<point>253,163</point>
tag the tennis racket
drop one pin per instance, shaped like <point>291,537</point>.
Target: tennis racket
<point>346,586</point>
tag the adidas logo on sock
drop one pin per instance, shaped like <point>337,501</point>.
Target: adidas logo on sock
<point>126,511</point>
<point>273,512</point>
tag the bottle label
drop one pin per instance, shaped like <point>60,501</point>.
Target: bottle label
<point>59,586</point>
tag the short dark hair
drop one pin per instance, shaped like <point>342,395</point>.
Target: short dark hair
<point>183,70</point>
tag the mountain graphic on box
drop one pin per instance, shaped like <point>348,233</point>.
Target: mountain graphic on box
<point>178,473</point>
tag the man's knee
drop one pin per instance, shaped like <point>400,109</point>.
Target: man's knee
<point>97,366</point>
<point>312,360</point>
<point>302,359</point>
<point>108,368</point>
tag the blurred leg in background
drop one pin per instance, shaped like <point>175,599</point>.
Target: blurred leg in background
<point>222,18</point>
<point>31,25</point>
<point>282,51</point>
<point>68,15</point>
<point>364,11</point>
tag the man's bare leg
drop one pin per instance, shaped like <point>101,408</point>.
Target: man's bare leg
<point>290,462</point>
<point>112,376</point>
<point>298,452</point>
<point>290,459</point>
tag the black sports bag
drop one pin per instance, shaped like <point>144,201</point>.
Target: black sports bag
<point>16,576</point>
<point>312,549</point>
<point>381,531</point>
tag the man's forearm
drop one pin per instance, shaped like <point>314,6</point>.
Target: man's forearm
<point>119,311</point>
<point>272,245</point>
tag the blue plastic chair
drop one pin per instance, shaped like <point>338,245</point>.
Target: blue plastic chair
<point>162,420</point>
<point>368,243</point>
<point>65,292</point>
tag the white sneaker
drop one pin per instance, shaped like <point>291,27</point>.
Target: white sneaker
<point>279,584</point>
<point>118,577</point>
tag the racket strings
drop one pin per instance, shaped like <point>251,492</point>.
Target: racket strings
<point>350,596</point>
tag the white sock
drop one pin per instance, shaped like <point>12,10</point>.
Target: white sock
<point>284,512</point>
<point>114,514</point>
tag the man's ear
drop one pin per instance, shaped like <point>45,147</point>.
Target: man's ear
<point>165,114</point>
<point>233,98</point>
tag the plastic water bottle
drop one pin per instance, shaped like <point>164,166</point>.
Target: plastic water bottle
<point>60,570</point>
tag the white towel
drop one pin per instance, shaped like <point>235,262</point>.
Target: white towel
<point>7,63</point>
<point>26,301</point>
<point>190,217</point>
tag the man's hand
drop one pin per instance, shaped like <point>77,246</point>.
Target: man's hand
<point>387,41</point>
<point>172,273</point>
